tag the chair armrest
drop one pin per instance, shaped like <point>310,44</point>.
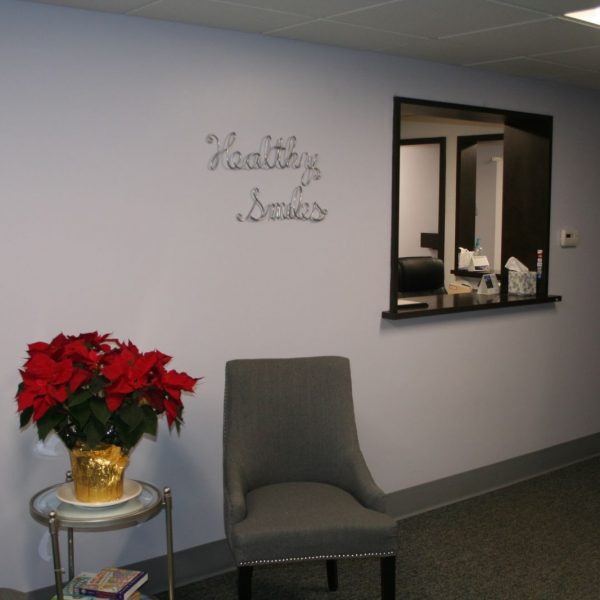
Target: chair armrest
<point>363,486</point>
<point>234,497</point>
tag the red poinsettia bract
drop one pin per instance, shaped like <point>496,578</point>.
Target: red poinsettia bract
<point>94,386</point>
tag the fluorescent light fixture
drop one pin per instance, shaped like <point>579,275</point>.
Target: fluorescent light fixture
<point>591,15</point>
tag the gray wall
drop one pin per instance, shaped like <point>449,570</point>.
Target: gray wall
<point>111,220</point>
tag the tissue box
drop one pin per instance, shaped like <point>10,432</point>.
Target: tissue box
<point>479,263</point>
<point>464,258</point>
<point>522,284</point>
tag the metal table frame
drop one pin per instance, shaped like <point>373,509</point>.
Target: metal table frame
<point>48,510</point>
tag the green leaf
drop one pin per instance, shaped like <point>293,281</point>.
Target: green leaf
<point>150,421</point>
<point>179,420</point>
<point>94,432</point>
<point>100,410</point>
<point>47,423</point>
<point>80,396</point>
<point>81,415</point>
<point>178,424</point>
<point>135,435</point>
<point>129,436</point>
<point>132,415</point>
<point>25,416</point>
<point>97,384</point>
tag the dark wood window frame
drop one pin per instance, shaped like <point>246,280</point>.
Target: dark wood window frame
<point>526,204</point>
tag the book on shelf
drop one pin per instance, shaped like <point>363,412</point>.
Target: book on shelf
<point>112,582</point>
<point>69,592</point>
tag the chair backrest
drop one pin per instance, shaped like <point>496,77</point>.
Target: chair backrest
<point>289,420</point>
<point>420,276</point>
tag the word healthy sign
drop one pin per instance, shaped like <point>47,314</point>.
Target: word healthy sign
<point>271,154</point>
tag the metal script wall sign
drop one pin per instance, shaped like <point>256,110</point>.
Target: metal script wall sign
<point>278,154</point>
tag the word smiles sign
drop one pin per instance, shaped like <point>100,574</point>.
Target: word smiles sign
<point>271,154</point>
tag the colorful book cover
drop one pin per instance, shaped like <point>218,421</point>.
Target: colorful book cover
<point>69,593</point>
<point>69,590</point>
<point>113,582</point>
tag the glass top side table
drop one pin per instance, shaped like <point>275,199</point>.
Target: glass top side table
<point>46,508</point>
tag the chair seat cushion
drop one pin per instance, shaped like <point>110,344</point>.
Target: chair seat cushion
<point>304,520</point>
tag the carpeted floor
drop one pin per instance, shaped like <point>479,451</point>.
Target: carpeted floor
<point>536,540</point>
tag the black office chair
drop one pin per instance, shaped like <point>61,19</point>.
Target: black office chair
<point>420,276</point>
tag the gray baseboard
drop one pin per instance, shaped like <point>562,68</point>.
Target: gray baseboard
<point>200,562</point>
<point>191,564</point>
<point>421,498</point>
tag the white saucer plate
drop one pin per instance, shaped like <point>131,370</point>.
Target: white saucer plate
<point>66,493</point>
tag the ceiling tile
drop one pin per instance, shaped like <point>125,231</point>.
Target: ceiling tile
<point>311,8</point>
<point>591,81</point>
<point>444,51</point>
<point>342,34</point>
<point>553,7</point>
<point>585,58</point>
<point>115,6</point>
<point>436,18</point>
<point>220,14</point>
<point>477,33</point>
<point>531,38</point>
<point>527,67</point>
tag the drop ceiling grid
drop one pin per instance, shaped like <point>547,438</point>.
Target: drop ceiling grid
<point>511,36</point>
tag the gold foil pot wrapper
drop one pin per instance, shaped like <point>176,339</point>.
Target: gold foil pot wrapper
<point>98,473</point>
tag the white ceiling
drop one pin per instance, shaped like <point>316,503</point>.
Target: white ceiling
<point>528,38</point>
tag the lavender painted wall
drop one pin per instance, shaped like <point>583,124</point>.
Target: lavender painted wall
<point>111,220</point>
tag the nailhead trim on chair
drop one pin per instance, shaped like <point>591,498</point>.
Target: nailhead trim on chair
<point>319,557</point>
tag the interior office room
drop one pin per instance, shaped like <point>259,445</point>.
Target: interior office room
<point>122,214</point>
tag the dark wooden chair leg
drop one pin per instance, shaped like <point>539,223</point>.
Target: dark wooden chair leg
<point>388,578</point>
<point>244,583</point>
<point>332,575</point>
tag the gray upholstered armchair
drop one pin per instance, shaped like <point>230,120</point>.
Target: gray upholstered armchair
<point>296,484</point>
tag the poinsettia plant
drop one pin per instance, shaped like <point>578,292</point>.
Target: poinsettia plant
<point>91,388</point>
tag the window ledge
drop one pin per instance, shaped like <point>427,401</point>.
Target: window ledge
<point>454,303</point>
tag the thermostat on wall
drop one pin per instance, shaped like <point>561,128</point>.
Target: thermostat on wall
<point>569,238</point>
